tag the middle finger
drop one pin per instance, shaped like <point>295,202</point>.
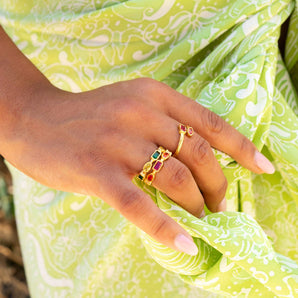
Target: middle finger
<point>197,155</point>
<point>173,178</point>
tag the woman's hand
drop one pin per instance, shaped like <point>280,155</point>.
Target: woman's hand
<point>95,142</point>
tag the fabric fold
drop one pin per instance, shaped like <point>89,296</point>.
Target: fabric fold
<point>225,56</point>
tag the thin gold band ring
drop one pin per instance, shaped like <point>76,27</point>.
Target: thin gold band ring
<point>183,130</point>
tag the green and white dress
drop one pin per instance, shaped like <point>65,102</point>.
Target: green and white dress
<point>223,54</point>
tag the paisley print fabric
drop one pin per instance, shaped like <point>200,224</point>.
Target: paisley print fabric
<point>222,54</point>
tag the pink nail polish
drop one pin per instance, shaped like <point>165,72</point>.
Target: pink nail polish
<point>186,245</point>
<point>202,214</point>
<point>222,206</point>
<point>263,163</point>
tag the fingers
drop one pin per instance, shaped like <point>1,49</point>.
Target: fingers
<point>216,131</point>
<point>174,179</point>
<point>138,208</point>
<point>177,182</point>
<point>197,164</point>
<point>196,153</point>
<point>226,138</point>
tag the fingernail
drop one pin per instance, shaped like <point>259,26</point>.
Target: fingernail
<point>185,245</point>
<point>222,206</point>
<point>263,163</point>
<point>202,214</point>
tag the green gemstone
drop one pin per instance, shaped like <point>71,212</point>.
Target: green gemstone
<point>141,177</point>
<point>156,154</point>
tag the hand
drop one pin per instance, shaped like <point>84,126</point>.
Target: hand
<point>95,142</point>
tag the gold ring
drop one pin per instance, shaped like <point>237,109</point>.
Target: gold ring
<point>183,130</point>
<point>157,166</point>
<point>148,165</point>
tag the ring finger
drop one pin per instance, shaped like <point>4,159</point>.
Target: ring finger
<point>197,156</point>
<point>174,178</point>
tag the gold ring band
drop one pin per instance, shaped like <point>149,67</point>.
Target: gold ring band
<point>179,144</point>
<point>157,166</point>
<point>148,165</point>
<point>183,130</point>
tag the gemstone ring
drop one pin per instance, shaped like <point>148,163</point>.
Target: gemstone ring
<point>157,166</point>
<point>183,130</point>
<point>148,165</point>
<point>154,165</point>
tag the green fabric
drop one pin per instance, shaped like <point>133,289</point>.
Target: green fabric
<point>224,55</point>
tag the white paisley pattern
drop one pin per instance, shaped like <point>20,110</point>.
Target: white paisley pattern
<point>224,55</point>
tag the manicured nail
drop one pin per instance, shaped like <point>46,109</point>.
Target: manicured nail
<point>222,206</point>
<point>202,214</point>
<point>263,163</point>
<point>185,245</point>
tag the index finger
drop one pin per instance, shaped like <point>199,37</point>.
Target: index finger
<point>220,134</point>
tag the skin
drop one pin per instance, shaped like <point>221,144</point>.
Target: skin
<point>90,143</point>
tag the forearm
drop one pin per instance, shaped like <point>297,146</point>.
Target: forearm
<point>19,81</point>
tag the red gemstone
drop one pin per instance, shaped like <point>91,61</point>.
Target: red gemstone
<point>157,166</point>
<point>183,127</point>
<point>165,154</point>
<point>150,177</point>
<point>190,131</point>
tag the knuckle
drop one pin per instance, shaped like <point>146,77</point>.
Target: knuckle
<point>90,159</point>
<point>201,151</point>
<point>146,84</point>
<point>159,226</point>
<point>127,106</point>
<point>128,202</point>
<point>213,122</point>
<point>149,86</point>
<point>128,109</point>
<point>245,144</point>
<point>150,91</point>
<point>180,177</point>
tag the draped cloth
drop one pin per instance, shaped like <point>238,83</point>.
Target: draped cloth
<point>225,56</point>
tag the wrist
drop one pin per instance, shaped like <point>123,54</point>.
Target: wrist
<point>18,108</point>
